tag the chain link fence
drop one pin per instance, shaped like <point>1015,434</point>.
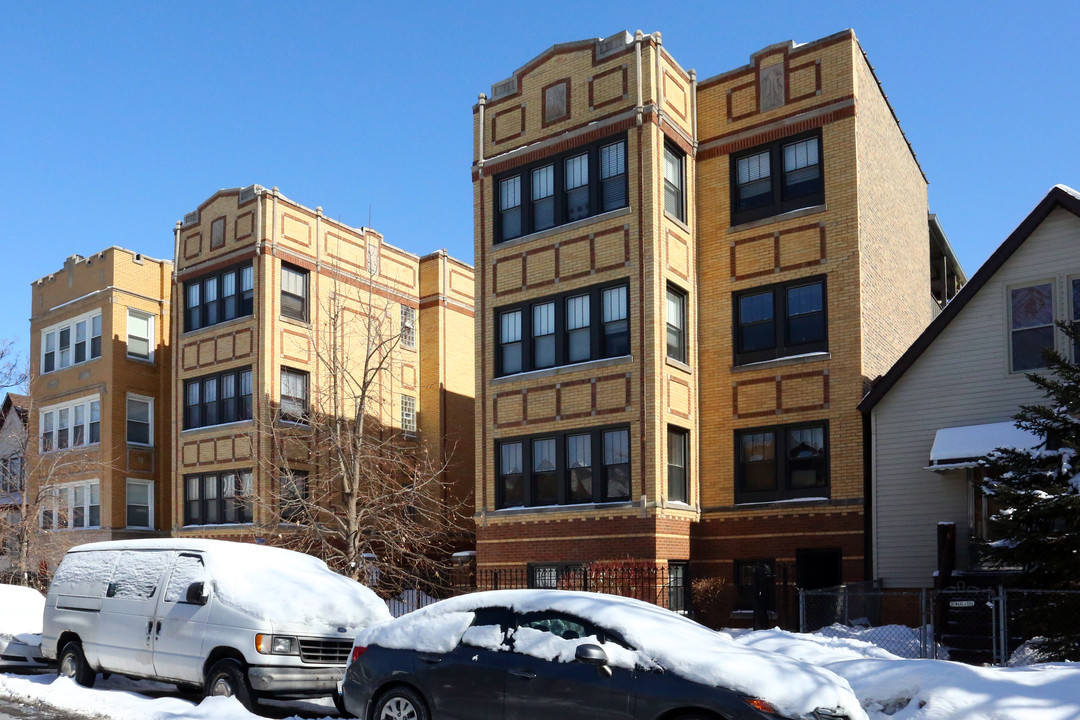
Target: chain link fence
<point>980,626</point>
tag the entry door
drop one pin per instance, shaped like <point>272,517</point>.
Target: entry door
<point>126,621</point>
<point>179,626</point>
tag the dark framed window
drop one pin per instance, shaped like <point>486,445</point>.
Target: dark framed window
<point>216,399</point>
<point>294,394</point>
<point>572,186</point>
<point>781,320</point>
<point>678,581</point>
<point>777,177</point>
<point>564,329</point>
<point>678,464</point>
<point>562,468</point>
<point>294,292</point>
<point>817,568</point>
<point>674,182</point>
<point>676,323</point>
<point>562,575</point>
<point>294,493</point>
<point>1031,325</point>
<point>752,577</point>
<point>782,462</point>
<point>140,417</point>
<point>218,498</point>
<point>219,297</point>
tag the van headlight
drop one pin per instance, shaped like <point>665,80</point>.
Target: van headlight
<point>276,644</point>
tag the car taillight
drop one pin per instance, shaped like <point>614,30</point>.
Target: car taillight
<point>760,705</point>
<point>357,651</point>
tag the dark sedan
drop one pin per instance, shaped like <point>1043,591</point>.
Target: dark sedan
<point>528,654</point>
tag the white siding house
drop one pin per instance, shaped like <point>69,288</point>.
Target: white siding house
<point>967,370</point>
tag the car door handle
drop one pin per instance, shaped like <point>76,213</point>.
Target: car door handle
<point>523,674</point>
<point>430,658</point>
<point>157,632</point>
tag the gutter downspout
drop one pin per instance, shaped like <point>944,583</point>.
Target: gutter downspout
<point>481,100</point>
<point>639,109</point>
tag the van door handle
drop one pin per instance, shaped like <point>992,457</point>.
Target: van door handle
<point>157,633</point>
<point>149,626</point>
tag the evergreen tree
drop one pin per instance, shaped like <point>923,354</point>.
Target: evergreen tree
<point>1037,492</point>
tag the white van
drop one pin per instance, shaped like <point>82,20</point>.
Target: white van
<point>229,618</point>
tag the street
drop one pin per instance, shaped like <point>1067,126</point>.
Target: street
<point>16,711</point>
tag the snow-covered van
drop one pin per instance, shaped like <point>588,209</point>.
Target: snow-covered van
<point>228,618</point>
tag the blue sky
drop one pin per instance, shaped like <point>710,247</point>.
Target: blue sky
<point>116,119</point>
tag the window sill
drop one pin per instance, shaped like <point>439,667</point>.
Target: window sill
<point>87,446</point>
<point>563,369</point>
<point>562,228</point>
<point>220,325</point>
<point>783,502</point>
<point>680,365</point>
<point>547,509</point>
<point>141,446</point>
<point>222,526</point>
<point>676,221</point>
<point>70,367</point>
<point>292,423</point>
<point>782,361</point>
<point>219,426</point>
<point>789,215</point>
<point>306,324</point>
<point>141,360</point>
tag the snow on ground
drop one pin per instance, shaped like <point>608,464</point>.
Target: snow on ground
<point>892,688</point>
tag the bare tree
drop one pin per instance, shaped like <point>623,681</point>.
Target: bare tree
<point>355,489</point>
<point>35,468</point>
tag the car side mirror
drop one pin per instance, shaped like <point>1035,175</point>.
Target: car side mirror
<point>196,594</point>
<point>591,654</point>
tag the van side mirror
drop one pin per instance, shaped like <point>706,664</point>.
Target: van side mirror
<point>196,594</point>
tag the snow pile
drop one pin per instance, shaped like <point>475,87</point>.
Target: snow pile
<point>425,632</point>
<point>661,638</point>
<point>898,640</point>
<point>893,688</point>
<point>21,610</point>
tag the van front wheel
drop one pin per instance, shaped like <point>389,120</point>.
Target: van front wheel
<point>73,665</point>
<point>227,678</point>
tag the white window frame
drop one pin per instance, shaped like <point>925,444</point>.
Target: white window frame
<point>149,484</point>
<point>408,327</point>
<point>54,412</point>
<point>408,414</point>
<point>1056,313</point>
<point>66,493</point>
<point>70,325</point>
<point>150,409</point>
<point>149,317</point>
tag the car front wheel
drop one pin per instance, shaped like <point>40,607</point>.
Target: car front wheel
<point>401,703</point>
<point>73,665</point>
<point>227,678</point>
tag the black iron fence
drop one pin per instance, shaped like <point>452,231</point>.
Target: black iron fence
<point>982,626</point>
<point>668,587</point>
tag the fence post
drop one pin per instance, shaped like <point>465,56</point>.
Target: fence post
<point>1003,623</point>
<point>802,610</point>
<point>923,648</point>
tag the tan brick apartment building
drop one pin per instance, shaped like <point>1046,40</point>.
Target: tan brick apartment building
<point>684,287</point>
<point>100,417</point>
<point>256,274</point>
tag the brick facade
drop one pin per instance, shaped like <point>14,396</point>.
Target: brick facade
<point>864,245</point>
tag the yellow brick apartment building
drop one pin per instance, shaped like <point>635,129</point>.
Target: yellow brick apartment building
<point>256,276</point>
<point>100,417</point>
<point>684,286</point>
<point>171,398</point>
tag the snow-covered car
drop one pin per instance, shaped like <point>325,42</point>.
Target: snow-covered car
<point>550,653</point>
<point>20,628</point>
<point>234,619</point>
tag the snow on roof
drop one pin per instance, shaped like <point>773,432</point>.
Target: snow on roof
<point>660,638</point>
<point>960,446</point>
<point>272,583</point>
